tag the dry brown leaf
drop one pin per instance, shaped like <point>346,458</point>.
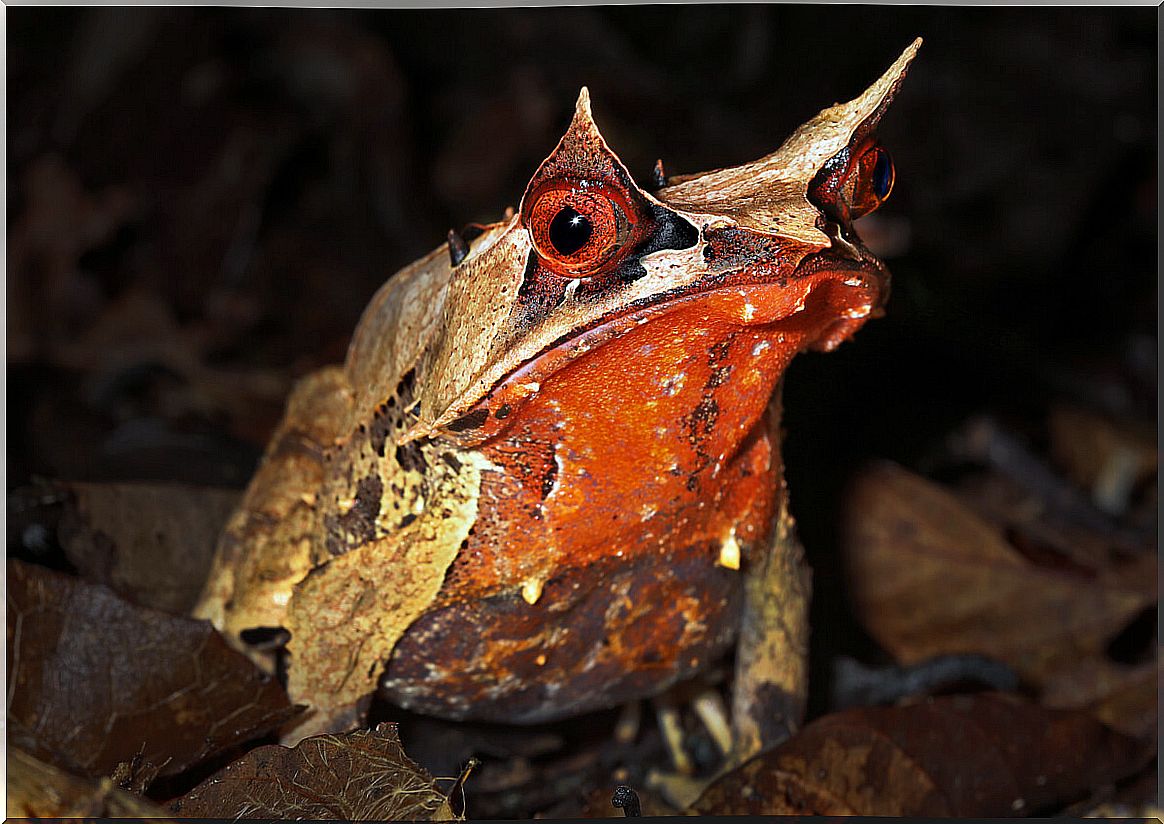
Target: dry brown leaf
<point>150,543</point>
<point>979,755</point>
<point>1125,697</point>
<point>1106,458</point>
<point>40,790</point>
<point>94,681</point>
<point>1049,538</point>
<point>60,221</point>
<point>360,775</point>
<point>929,577</point>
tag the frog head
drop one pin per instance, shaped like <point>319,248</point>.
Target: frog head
<point>591,255</point>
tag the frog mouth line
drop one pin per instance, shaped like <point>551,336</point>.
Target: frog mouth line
<point>612,326</point>
<point>478,421</point>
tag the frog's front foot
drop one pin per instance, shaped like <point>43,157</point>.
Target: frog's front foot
<point>770,684</point>
<point>694,758</point>
<point>696,705</point>
<point>770,688</point>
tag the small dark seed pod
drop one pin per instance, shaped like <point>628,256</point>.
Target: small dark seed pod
<point>628,800</point>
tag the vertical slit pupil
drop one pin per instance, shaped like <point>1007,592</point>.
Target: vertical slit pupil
<point>570,230</point>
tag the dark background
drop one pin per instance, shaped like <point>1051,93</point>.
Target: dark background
<point>201,201</point>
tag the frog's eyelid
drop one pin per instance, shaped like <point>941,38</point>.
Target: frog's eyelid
<point>769,195</point>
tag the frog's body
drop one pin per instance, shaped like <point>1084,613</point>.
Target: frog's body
<point>538,482</point>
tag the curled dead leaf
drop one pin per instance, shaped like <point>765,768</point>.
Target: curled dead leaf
<point>360,775</point>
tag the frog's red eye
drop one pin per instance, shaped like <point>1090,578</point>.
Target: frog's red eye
<point>579,227</point>
<point>872,181</point>
<point>853,182</point>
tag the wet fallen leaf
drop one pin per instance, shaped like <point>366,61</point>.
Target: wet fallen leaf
<point>976,755</point>
<point>94,680</point>
<point>929,577</point>
<point>360,775</point>
<point>40,790</point>
<point>150,543</point>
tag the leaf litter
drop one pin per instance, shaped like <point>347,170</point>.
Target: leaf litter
<point>95,681</point>
<point>356,776</point>
<point>980,755</point>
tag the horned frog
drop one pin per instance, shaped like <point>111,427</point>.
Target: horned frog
<point>547,478</point>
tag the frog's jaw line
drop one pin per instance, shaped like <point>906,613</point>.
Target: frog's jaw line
<point>734,302</point>
<point>724,253</point>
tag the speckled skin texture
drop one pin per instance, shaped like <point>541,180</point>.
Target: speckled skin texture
<point>520,496</point>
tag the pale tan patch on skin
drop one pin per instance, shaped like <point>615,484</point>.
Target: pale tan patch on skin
<point>266,547</point>
<point>395,329</point>
<point>346,616</point>
<point>475,321</point>
<point>273,568</point>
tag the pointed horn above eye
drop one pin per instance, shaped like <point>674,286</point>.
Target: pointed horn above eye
<point>770,194</point>
<point>834,128</point>
<point>582,107</point>
<point>581,154</point>
<point>583,131</point>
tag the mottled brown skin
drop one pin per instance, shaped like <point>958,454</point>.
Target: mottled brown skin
<point>623,531</point>
<point>522,495</point>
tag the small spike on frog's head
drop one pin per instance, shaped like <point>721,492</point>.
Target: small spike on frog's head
<point>583,104</point>
<point>582,123</point>
<point>658,176</point>
<point>458,248</point>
